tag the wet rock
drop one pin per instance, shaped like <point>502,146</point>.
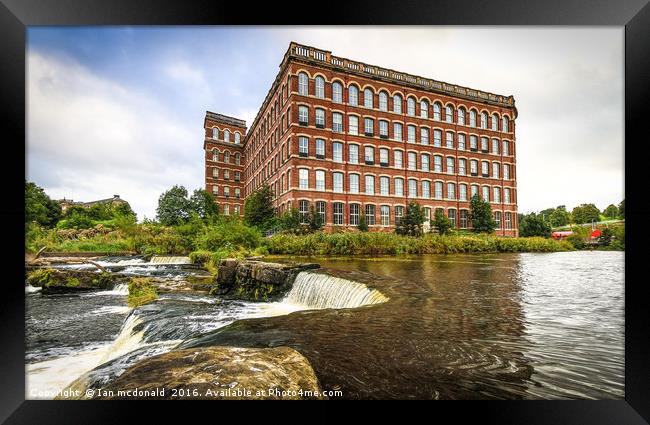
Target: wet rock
<point>256,280</point>
<point>58,281</point>
<point>214,373</point>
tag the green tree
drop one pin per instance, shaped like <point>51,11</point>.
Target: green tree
<point>123,209</point>
<point>560,217</point>
<point>314,220</point>
<point>259,209</point>
<point>290,221</point>
<point>173,207</point>
<point>621,209</point>
<point>100,211</point>
<point>441,222</point>
<point>411,223</point>
<point>39,208</point>
<point>481,216</point>
<point>585,213</point>
<point>202,203</point>
<point>611,211</point>
<point>533,225</point>
<point>363,224</point>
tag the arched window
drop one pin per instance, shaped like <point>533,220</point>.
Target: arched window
<point>424,109</point>
<point>303,84</point>
<point>237,138</point>
<point>383,101</point>
<point>495,122</point>
<point>337,92</point>
<point>215,133</point>
<point>472,118</point>
<point>368,98</point>
<point>226,136</point>
<point>461,115</point>
<point>215,155</point>
<point>436,111</point>
<point>504,124</point>
<point>226,157</point>
<point>353,95</point>
<point>449,113</point>
<point>397,104</point>
<point>320,87</point>
<point>484,118</point>
<point>237,159</point>
<point>410,106</point>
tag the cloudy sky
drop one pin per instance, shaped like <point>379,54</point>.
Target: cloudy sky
<point>119,110</point>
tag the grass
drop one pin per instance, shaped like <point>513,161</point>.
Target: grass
<point>141,291</point>
<point>369,243</point>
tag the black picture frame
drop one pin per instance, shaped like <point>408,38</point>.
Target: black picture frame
<point>15,15</point>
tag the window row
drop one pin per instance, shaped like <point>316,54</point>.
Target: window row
<point>395,103</point>
<point>224,135</point>
<point>415,161</point>
<point>236,209</point>
<point>226,174</point>
<point>225,157</point>
<point>226,191</point>
<point>370,211</point>
<point>414,188</point>
<point>424,136</point>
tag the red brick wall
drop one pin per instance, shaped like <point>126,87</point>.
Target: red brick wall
<point>267,160</point>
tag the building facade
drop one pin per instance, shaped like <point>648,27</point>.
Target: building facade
<point>352,138</point>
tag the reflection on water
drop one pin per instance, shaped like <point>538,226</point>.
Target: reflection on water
<point>454,327</point>
<point>464,326</point>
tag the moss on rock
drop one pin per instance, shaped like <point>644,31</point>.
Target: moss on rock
<point>141,291</point>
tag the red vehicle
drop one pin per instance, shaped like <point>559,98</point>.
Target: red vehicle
<point>561,235</point>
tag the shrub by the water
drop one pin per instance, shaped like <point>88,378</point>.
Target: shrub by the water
<point>141,291</point>
<point>229,234</point>
<point>381,243</point>
<point>40,277</point>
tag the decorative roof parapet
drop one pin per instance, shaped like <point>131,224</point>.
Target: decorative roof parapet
<point>224,119</point>
<point>324,57</point>
<point>312,54</point>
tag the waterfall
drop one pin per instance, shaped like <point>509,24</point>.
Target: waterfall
<point>29,289</point>
<point>316,290</point>
<point>169,260</point>
<point>120,289</point>
<point>127,340</point>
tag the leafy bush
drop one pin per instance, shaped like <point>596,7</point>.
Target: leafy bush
<point>381,243</point>
<point>141,291</point>
<point>229,234</point>
<point>76,221</point>
<point>40,277</point>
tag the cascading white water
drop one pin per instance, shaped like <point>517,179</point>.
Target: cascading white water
<point>315,291</point>
<point>29,289</point>
<point>169,260</point>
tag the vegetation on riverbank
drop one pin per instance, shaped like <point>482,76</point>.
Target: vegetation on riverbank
<point>141,291</point>
<point>188,226</point>
<point>377,243</point>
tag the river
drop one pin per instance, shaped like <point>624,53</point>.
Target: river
<point>504,326</point>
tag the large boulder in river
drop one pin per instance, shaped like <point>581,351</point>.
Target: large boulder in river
<point>256,280</point>
<point>215,373</point>
<point>61,280</point>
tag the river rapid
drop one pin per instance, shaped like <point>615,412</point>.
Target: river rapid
<point>505,326</point>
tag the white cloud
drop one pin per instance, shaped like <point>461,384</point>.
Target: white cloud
<point>184,72</point>
<point>90,138</point>
<point>567,84</point>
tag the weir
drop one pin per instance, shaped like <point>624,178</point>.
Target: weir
<point>318,291</point>
<point>160,260</point>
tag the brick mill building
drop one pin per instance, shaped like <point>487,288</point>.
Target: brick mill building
<point>348,137</point>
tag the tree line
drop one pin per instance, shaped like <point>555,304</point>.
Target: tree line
<point>540,223</point>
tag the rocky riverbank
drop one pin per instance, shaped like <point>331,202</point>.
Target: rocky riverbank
<point>213,373</point>
<point>256,280</point>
